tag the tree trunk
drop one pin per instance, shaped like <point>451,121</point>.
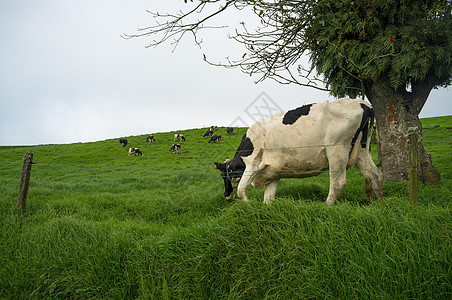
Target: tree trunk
<point>395,112</point>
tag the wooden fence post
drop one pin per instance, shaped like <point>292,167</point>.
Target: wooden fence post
<point>412,145</point>
<point>25,180</point>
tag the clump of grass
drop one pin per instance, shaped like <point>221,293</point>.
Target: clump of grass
<point>99,224</point>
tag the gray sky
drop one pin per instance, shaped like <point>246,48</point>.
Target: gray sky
<point>68,76</point>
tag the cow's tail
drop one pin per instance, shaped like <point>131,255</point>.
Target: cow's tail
<point>365,128</point>
<point>369,116</point>
<point>371,129</point>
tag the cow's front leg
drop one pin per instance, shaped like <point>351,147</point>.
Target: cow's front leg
<point>337,161</point>
<point>270,191</point>
<point>245,182</point>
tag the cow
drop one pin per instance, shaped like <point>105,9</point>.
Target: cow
<point>213,128</point>
<point>305,142</point>
<point>179,136</point>
<point>135,151</point>
<point>209,133</point>
<point>229,130</point>
<point>123,142</point>
<point>215,138</point>
<point>150,139</point>
<point>175,148</point>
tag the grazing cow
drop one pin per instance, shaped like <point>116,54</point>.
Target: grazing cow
<point>305,142</point>
<point>213,128</point>
<point>123,142</point>
<point>229,130</point>
<point>150,139</point>
<point>209,133</point>
<point>135,151</point>
<point>215,138</point>
<point>179,136</point>
<point>175,148</point>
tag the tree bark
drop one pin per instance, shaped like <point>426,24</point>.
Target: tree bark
<point>396,111</point>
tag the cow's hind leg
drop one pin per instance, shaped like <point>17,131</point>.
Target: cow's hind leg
<point>270,191</point>
<point>337,162</point>
<point>372,175</point>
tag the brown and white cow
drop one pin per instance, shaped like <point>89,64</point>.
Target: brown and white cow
<point>305,142</point>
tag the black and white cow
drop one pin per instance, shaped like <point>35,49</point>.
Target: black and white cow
<point>150,139</point>
<point>209,133</point>
<point>179,136</point>
<point>229,130</point>
<point>135,151</point>
<point>305,142</point>
<point>175,148</point>
<point>123,142</point>
<point>215,138</point>
<point>213,128</point>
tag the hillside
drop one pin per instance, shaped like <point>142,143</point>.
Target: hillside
<point>100,224</point>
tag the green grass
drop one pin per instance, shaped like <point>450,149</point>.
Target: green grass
<point>99,224</point>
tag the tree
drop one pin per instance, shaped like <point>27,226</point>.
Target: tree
<point>392,52</point>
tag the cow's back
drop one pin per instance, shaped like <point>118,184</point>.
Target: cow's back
<point>294,143</point>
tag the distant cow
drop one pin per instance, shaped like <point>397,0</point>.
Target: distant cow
<point>175,148</point>
<point>213,128</point>
<point>123,142</point>
<point>209,133</point>
<point>150,139</point>
<point>215,138</point>
<point>179,136</point>
<point>135,151</point>
<point>305,142</point>
<point>229,130</point>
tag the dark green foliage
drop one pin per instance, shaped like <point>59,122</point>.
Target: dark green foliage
<point>99,224</point>
<point>354,41</point>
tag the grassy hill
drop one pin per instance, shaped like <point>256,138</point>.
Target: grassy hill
<point>99,224</point>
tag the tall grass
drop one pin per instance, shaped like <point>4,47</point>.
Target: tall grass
<point>99,224</point>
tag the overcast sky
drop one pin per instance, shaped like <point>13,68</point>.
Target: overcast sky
<point>68,76</point>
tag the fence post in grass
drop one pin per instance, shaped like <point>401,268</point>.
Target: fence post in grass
<point>25,180</point>
<point>412,146</point>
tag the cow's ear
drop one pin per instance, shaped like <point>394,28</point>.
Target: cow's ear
<point>218,165</point>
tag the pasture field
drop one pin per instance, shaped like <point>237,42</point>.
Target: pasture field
<point>101,225</point>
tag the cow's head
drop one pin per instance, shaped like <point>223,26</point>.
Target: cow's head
<point>231,178</point>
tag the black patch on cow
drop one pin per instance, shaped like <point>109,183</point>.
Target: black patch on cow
<point>245,148</point>
<point>227,177</point>
<point>367,120</point>
<point>235,167</point>
<point>215,138</point>
<point>293,115</point>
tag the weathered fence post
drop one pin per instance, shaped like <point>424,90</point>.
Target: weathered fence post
<point>412,147</point>
<point>25,180</point>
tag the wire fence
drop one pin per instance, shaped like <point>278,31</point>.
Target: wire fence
<point>195,155</point>
<point>98,164</point>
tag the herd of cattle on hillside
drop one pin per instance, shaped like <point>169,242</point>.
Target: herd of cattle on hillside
<point>175,148</point>
<point>300,143</point>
